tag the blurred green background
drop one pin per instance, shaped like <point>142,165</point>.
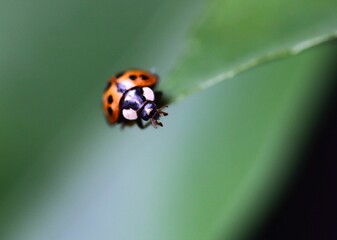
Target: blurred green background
<point>223,155</point>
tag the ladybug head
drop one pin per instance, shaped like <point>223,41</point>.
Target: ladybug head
<point>152,113</point>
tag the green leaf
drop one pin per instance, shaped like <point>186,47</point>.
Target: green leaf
<point>238,35</point>
<point>220,159</point>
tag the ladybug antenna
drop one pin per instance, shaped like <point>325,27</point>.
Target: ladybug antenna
<point>162,112</point>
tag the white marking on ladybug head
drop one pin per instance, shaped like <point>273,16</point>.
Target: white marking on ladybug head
<point>148,110</point>
<point>130,114</point>
<point>148,94</point>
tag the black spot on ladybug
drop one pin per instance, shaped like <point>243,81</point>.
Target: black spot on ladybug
<point>110,100</point>
<point>108,85</point>
<point>139,91</point>
<point>144,77</point>
<point>118,75</point>
<point>139,94</point>
<point>133,77</point>
<point>110,110</point>
<point>121,88</point>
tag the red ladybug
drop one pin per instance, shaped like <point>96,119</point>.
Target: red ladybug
<point>129,98</point>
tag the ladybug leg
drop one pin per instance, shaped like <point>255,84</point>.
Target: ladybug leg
<point>162,112</point>
<point>141,124</point>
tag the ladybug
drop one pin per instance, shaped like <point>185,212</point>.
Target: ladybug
<point>129,98</point>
